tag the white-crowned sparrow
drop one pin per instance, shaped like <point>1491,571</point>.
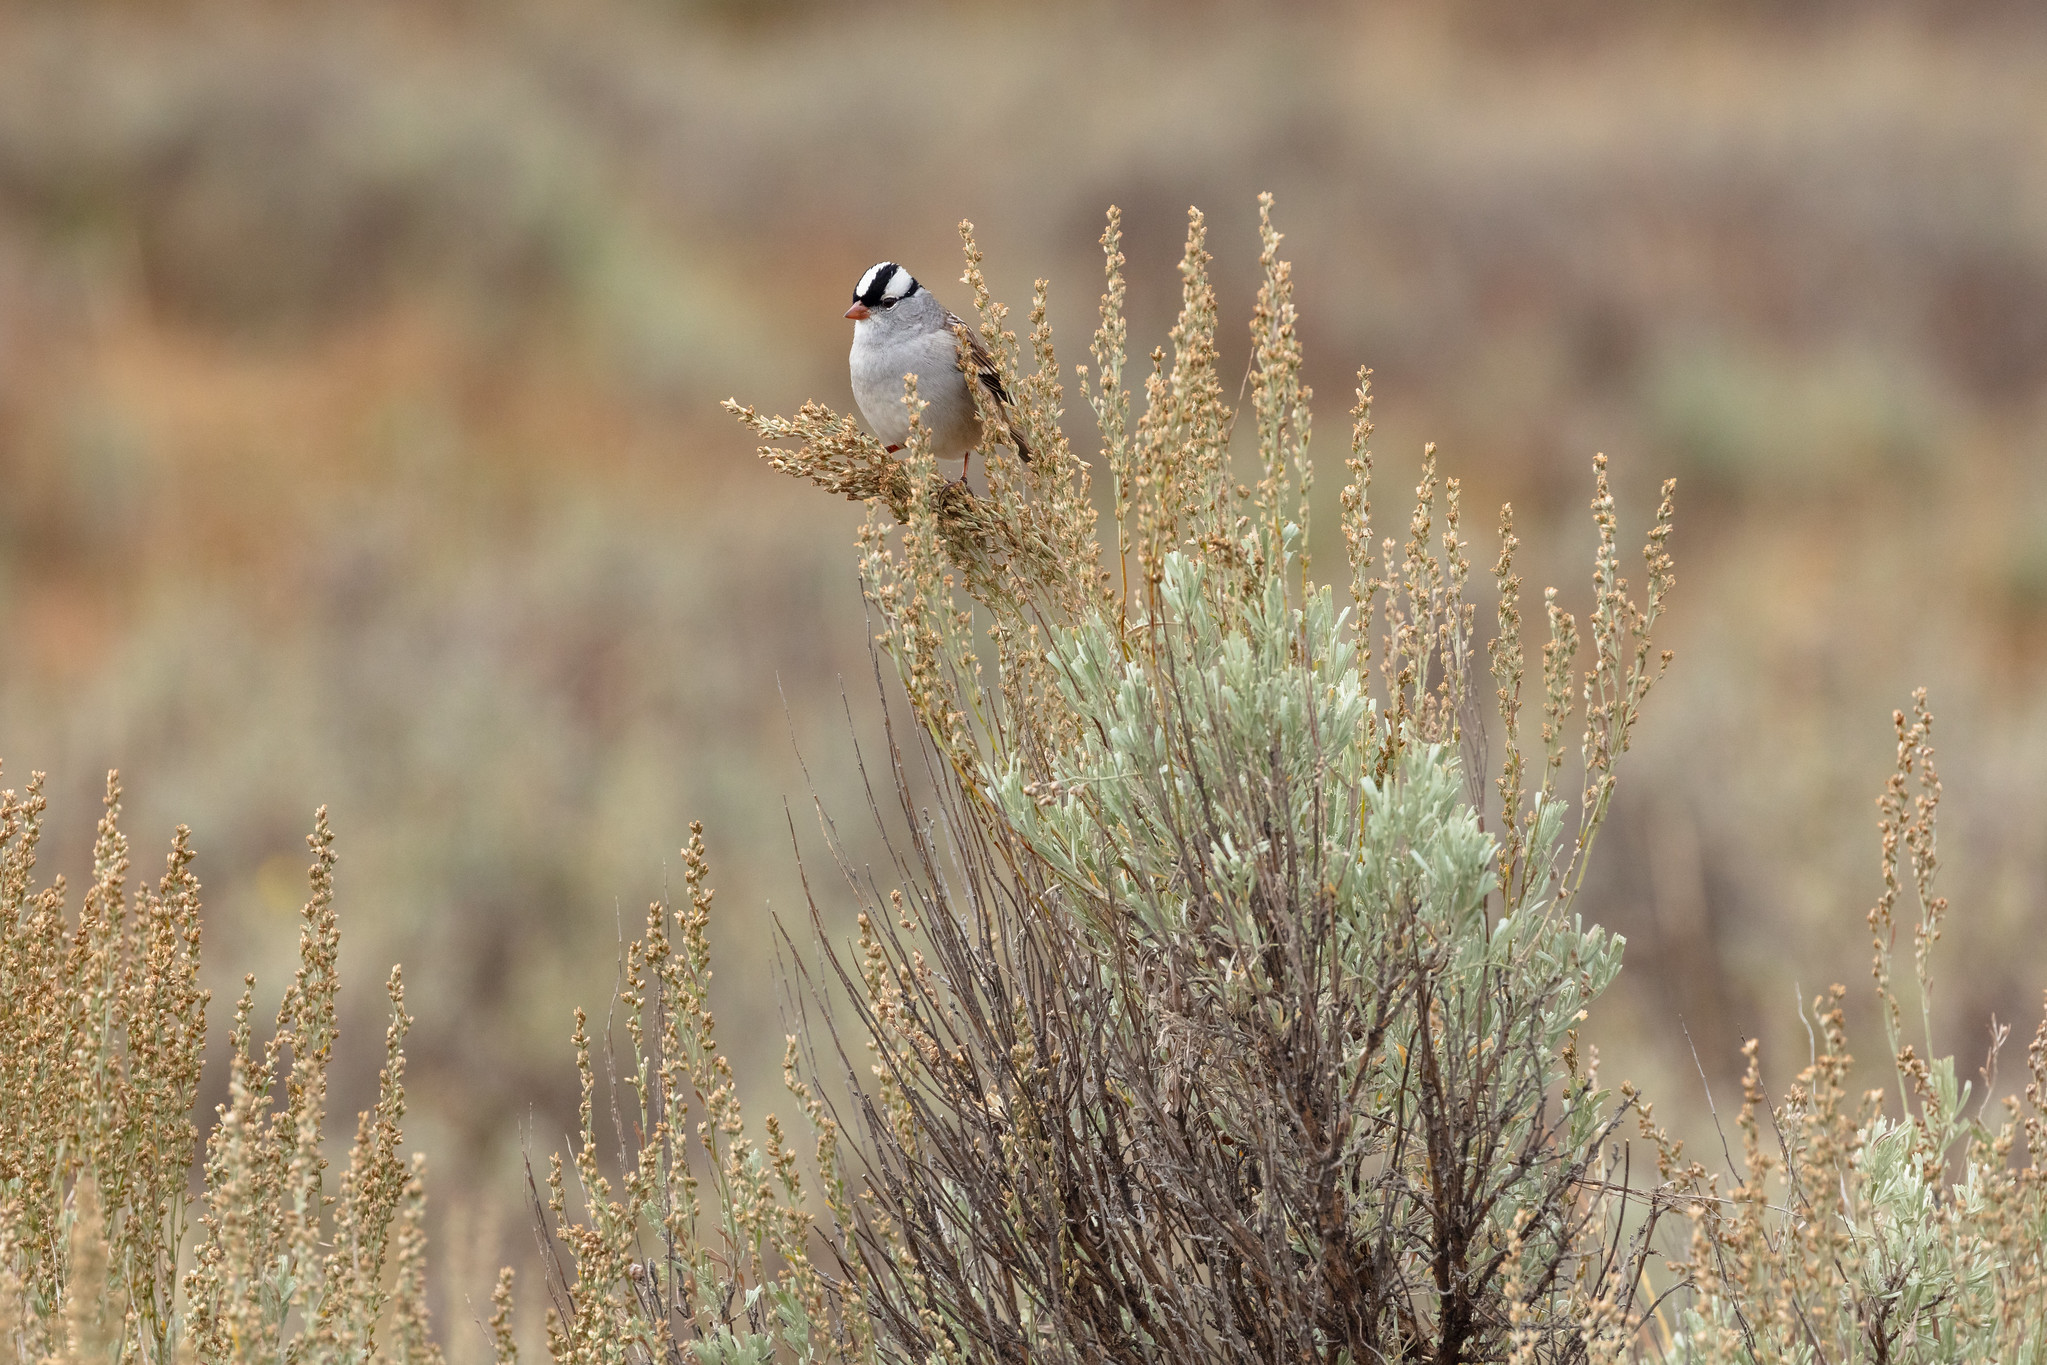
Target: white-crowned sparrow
<point>899,329</point>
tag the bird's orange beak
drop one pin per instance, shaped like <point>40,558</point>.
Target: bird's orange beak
<point>858,311</point>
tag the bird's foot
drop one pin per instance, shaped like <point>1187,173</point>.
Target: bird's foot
<point>891,449</point>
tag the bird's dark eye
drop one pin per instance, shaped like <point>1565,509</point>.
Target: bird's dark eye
<point>886,303</point>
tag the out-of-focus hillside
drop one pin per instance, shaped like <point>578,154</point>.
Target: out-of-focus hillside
<point>358,440</point>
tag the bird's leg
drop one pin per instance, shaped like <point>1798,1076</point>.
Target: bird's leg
<point>966,463</point>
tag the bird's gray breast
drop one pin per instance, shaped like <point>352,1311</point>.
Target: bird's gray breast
<point>879,365</point>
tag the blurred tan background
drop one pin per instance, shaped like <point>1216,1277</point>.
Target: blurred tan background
<point>358,445</point>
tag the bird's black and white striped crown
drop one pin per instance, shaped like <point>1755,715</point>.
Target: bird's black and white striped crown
<point>884,283</point>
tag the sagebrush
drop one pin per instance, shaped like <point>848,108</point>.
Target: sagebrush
<point>101,1039</point>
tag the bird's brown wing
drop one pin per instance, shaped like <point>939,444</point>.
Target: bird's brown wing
<point>991,380</point>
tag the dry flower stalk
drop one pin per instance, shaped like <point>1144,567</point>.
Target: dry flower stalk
<point>101,1258</point>
<point>1861,1234</point>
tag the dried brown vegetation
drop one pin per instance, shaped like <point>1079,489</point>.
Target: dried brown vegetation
<point>101,1038</point>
